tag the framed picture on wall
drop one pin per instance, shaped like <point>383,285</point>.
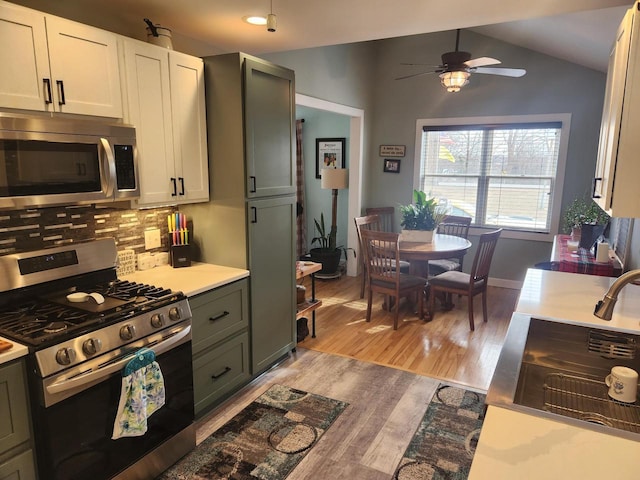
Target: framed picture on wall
<point>391,165</point>
<point>329,154</point>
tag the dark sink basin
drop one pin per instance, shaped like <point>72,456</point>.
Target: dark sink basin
<point>557,370</point>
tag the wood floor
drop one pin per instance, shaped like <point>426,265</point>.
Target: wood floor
<point>349,359</point>
<point>443,348</point>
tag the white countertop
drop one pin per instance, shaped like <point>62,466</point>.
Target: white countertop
<point>572,297</point>
<point>517,445</point>
<point>197,278</point>
<point>18,350</point>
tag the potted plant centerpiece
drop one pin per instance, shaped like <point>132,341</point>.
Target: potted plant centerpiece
<point>584,218</point>
<point>421,218</point>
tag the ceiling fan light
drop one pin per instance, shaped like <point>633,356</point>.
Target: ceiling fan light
<point>454,81</point>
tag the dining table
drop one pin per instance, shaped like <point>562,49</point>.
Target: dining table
<point>442,246</point>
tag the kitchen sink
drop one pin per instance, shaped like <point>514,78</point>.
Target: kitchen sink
<point>557,370</point>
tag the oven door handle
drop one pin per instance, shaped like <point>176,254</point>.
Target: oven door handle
<point>94,376</point>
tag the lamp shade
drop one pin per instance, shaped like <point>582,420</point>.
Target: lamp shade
<point>454,81</point>
<point>335,178</point>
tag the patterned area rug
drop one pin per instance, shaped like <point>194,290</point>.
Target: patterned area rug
<point>444,444</point>
<point>264,441</point>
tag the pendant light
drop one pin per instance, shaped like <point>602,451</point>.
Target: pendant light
<point>271,20</point>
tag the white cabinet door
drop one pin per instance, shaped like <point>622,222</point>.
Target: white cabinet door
<point>147,72</point>
<point>84,69</point>
<point>55,65</point>
<point>189,127</point>
<point>165,93</point>
<point>24,59</point>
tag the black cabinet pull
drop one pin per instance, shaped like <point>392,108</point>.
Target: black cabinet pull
<point>595,182</point>
<point>175,187</point>
<point>60,84</point>
<point>254,215</point>
<point>225,371</point>
<point>181,185</point>
<point>218,317</point>
<point>47,84</point>
<point>252,189</point>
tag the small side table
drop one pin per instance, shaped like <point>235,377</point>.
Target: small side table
<point>304,269</point>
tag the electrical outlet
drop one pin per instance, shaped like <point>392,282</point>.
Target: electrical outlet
<point>152,238</point>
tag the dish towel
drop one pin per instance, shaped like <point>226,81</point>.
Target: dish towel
<point>141,395</point>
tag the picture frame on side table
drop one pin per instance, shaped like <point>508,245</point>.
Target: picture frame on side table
<point>391,165</point>
<point>329,154</point>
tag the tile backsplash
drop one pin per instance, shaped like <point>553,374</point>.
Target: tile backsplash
<point>33,229</point>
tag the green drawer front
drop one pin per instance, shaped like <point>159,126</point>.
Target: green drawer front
<point>219,314</point>
<point>19,467</point>
<point>14,423</point>
<point>219,371</point>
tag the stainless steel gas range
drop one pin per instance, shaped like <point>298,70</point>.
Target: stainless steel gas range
<point>83,326</point>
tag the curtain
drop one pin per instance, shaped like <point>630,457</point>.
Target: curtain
<point>300,217</point>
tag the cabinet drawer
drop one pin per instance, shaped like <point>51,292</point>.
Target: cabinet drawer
<point>18,467</point>
<point>14,425</point>
<point>220,370</point>
<point>219,314</point>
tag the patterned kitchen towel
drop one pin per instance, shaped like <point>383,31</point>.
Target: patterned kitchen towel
<point>141,395</point>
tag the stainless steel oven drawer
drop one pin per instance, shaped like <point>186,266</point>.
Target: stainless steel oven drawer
<point>218,314</point>
<point>219,371</point>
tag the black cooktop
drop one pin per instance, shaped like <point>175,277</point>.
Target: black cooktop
<point>51,318</point>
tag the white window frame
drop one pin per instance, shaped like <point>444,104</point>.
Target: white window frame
<point>556,200</point>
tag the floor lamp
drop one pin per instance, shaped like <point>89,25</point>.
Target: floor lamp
<point>334,179</point>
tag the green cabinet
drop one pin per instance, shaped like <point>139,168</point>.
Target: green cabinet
<point>220,321</point>
<point>250,221</point>
<point>16,456</point>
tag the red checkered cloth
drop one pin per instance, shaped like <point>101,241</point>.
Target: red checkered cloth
<point>581,261</point>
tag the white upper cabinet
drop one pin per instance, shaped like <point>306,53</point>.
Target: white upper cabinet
<point>55,65</point>
<point>615,186</point>
<point>165,97</point>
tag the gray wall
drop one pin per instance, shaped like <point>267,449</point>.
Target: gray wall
<point>392,108</point>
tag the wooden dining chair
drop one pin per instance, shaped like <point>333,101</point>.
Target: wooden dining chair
<point>387,217</point>
<point>451,225</point>
<point>382,250</point>
<point>469,284</point>
<point>370,222</point>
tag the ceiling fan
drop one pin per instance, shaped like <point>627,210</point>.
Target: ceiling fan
<point>458,66</point>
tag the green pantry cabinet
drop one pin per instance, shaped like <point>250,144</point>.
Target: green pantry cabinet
<point>16,455</point>
<point>249,222</point>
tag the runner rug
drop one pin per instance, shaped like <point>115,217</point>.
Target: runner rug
<point>266,440</point>
<point>446,439</point>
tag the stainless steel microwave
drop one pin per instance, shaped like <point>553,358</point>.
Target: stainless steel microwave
<point>56,161</point>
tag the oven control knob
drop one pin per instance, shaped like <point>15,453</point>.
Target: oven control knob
<point>65,356</point>
<point>127,332</point>
<point>157,320</point>
<point>174,314</point>
<point>92,346</point>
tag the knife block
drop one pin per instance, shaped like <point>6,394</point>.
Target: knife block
<point>180,256</point>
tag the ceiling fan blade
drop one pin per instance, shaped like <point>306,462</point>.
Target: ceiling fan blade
<point>422,65</point>
<point>482,62</point>
<point>415,75</point>
<point>506,72</point>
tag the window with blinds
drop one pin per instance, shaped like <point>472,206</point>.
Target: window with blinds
<point>499,174</point>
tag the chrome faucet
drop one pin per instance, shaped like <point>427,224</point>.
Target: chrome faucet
<point>604,308</point>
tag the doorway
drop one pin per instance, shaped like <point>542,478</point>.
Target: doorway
<point>356,132</point>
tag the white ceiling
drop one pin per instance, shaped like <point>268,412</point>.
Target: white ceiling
<point>580,31</point>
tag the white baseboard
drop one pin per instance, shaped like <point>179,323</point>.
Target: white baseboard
<point>504,283</point>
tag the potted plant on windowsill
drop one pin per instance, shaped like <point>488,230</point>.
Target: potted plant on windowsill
<point>421,218</point>
<point>585,218</point>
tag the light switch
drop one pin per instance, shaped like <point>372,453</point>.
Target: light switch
<point>152,238</point>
